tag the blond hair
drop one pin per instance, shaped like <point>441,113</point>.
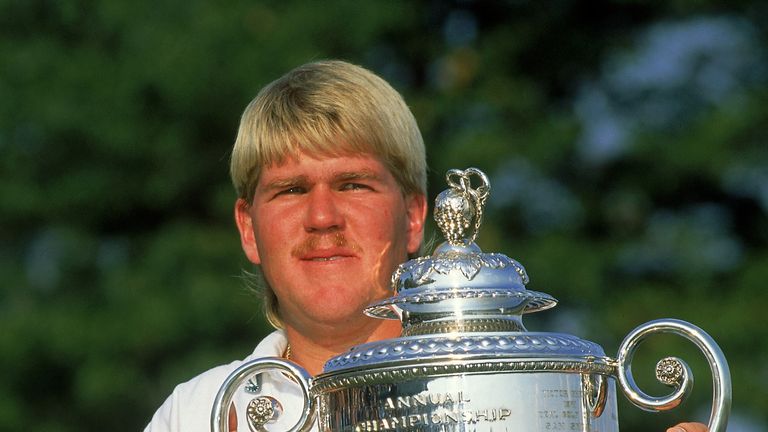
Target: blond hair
<point>326,108</point>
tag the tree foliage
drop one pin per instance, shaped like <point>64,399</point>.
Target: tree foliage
<point>625,143</point>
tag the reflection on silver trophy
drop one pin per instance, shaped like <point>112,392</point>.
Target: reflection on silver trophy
<point>465,362</point>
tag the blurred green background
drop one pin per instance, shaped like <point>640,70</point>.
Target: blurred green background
<point>626,143</point>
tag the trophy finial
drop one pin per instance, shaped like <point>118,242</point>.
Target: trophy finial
<point>459,209</point>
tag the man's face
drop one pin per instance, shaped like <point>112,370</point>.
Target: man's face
<point>328,232</point>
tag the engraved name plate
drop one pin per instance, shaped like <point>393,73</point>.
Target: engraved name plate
<point>482,403</point>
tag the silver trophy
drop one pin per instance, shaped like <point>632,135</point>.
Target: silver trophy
<point>465,362</point>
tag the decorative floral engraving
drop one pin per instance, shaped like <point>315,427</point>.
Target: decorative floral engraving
<point>419,271</point>
<point>260,411</point>
<point>669,371</point>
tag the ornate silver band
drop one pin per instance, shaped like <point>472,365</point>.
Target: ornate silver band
<point>468,326</point>
<point>329,382</point>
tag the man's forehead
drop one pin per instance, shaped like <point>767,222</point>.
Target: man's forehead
<point>306,165</point>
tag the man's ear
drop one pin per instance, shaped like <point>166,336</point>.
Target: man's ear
<point>244,222</point>
<point>416,206</point>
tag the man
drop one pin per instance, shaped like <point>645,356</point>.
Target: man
<point>330,172</point>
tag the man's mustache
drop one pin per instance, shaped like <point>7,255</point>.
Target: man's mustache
<point>324,241</point>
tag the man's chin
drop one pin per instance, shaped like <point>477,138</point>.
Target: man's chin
<point>341,317</point>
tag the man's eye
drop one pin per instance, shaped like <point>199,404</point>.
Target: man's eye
<point>354,186</point>
<point>291,191</point>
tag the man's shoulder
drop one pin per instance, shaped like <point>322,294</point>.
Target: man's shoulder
<point>214,377</point>
<point>206,382</point>
<point>191,401</point>
<point>188,407</point>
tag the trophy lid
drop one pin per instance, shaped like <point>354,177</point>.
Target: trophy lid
<point>460,288</point>
<point>461,305</point>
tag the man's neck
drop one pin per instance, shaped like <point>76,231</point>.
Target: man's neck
<point>312,352</point>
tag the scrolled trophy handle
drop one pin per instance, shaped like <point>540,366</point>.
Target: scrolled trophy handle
<point>262,409</point>
<point>674,372</point>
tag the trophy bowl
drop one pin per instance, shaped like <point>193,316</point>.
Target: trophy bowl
<point>465,361</point>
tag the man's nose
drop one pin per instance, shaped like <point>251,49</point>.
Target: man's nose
<point>323,212</point>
